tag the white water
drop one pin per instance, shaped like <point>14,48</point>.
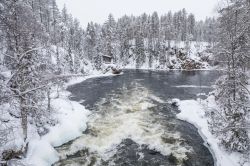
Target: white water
<point>192,86</point>
<point>126,115</point>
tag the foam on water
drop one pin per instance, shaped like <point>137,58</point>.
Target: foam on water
<point>128,114</point>
<point>192,86</point>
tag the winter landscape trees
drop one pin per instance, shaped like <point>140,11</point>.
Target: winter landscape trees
<point>23,57</point>
<point>28,31</point>
<point>232,95</point>
<point>39,45</point>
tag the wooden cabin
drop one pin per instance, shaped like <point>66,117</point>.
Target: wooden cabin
<point>107,59</point>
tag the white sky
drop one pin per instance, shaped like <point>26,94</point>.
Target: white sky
<point>98,10</point>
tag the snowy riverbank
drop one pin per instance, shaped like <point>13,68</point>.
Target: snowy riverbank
<point>193,111</point>
<point>72,120</point>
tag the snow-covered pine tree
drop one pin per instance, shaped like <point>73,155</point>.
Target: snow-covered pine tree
<point>123,38</point>
<point>109,32</point>
<point>229,123</point>
<point>98,52</point>
<point>145,26</point>
<point>150,53</point>
<point>155,25</point>
<point>191,25</point>
<point>24,59</point>
<point>169,29</point>
<point>90,41</point>
<point>139,50</point>
<point>162,57</point>
<point>184,25</point>
<point>77,45</point>
<point>69,57</point>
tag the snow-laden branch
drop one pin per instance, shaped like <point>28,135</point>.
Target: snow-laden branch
<point>25,53</point>
<point>245,88</point>
<point>13,58</point>
<point>19,61</point>
<point>235,127</point>
<point>33,89</point>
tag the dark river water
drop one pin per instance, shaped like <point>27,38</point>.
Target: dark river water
<point>133,122</point>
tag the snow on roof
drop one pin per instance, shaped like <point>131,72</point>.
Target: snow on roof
<point>107,56</point>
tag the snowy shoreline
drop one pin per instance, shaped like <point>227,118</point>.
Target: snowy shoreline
<point>193,112</point>
<point>186,118</point>
<point>207,69</point>
<point>72,118</point>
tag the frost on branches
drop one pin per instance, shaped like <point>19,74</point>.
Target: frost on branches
<point>232,96</point>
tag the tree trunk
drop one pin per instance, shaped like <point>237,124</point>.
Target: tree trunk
<point>49,100</point>
<point>23,117</point>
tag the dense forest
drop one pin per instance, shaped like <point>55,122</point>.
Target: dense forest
<point>41,46</point>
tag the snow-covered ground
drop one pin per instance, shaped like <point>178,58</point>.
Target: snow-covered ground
<point>193,111</point>
<point>72,119</point>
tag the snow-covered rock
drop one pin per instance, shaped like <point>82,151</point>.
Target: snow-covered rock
<point>175,102</point>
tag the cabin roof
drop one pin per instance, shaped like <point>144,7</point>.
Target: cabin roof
<point>107,56</point>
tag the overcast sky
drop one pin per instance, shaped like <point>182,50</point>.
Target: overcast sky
<point>98,10</point>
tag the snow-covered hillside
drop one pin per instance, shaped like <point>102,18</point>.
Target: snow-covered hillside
<point>180,56</point>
